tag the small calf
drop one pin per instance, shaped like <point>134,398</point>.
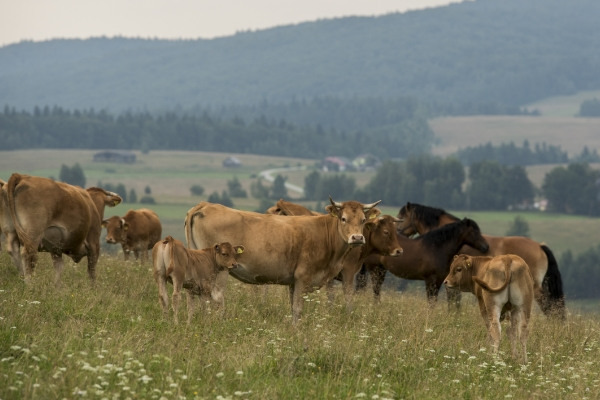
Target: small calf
<point>202,272</point>
<point>501,284</point>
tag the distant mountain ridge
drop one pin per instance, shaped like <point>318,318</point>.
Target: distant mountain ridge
<point>500,51</point>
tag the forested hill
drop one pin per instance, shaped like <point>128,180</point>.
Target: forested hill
<point>487,51</point>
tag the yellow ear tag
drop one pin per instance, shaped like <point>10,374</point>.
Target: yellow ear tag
<point>239,250</point>
<point>372,216</point>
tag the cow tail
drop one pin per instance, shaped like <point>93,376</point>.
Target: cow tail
<point>189,227</point>
<point>507,276</point>
<point>552,286</point>
<point>170,242</point>
<point>11,188</point>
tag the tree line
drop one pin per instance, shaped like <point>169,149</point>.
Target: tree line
<point>89,129</point>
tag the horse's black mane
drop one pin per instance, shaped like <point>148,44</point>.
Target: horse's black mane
<point>430,216</point>
<point>439,236</point>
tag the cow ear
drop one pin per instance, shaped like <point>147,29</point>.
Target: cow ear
<point>373,213</point>
<point>216,246</point>
<point>125,226</point>
<point>104,223</point>
<point>332,210</point>
<point>455,256</point>
<point>239,249</point>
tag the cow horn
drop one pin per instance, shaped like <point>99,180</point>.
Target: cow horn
<point>335,203</point>
<point>369,206</point>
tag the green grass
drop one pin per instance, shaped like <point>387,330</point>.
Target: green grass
<point>112,341</point>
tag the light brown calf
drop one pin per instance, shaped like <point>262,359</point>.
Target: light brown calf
<point>203,272</point>
<point>502,283</point>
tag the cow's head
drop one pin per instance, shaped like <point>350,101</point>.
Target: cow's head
<point>116,229</point>
<point>226,255</point>
<point>461,273</point>
<point>381,235</point>
<point>352,216</point>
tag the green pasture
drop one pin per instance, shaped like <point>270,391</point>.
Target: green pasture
<point>112,341</point>
<point>171,174</point>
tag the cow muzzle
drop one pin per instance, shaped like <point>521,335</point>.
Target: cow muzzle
<point>356,240</point>
<point>110,240</point>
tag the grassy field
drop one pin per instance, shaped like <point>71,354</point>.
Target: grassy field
<point>112,342</point>
<point>171,174</point>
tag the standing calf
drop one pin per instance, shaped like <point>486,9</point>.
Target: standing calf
<point>502,283</point>
<point>203,272</point>
<point>137,231</point>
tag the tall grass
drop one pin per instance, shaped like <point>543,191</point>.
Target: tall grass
<point>112,341</point>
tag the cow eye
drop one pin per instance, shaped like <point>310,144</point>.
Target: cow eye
<point>363,220</point>
<point>459,269</point>
<point>386,232</point>
<point>344,219</point>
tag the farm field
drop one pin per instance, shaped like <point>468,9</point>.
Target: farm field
<point>170,175</point>
<point>112,341</point>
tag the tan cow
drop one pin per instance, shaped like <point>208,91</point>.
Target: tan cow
<point>204,270</point>
<point>7,228</point>
<point>302,252</point>
<point>284,207</point>
<point>58,218</point>
<point>380,238</point>
<point>501,283</point>
<point>137,231</point>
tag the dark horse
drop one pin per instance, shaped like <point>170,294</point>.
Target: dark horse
<point>427,257</point>
<point>549,295</point>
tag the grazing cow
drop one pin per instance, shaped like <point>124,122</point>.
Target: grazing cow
<point>203,272</point>
<point>7,228</point>
<point>137,231</point>
<point>302,252</point>
<point>501,283</point>
<point>284,207</point>
<point>539,258</point>
<point>58,218</point>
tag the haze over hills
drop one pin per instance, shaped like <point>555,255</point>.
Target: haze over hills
<point>509,52</point>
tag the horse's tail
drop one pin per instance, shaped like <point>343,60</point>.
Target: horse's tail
<point>554,302</point>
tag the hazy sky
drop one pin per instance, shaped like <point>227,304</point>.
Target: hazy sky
<point>175,19</point>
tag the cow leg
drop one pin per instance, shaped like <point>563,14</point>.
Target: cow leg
<point>377,278</point>
<point>58,263</point>
<point>432,289</point>
<point>92,260</point>
<point>13,246</point>
<point>330,291</point>
<point>176,298</point>
<point>495,330</point>
<point>453,296</point>
<point>28,261</point>
<point>191,305</point>
<point>348,276</point>
<point>163,297</point>
<point>297,300</point>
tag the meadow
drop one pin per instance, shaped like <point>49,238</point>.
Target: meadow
<point>113,342</point>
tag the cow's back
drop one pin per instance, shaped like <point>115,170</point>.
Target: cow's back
<point>274,244</point>
<point>42,208</point>
<point>144,225</point>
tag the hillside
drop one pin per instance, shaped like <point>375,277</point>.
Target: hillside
<point>487,51</point>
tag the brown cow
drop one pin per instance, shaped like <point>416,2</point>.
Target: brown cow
<point>7,228</point>
<point>302,252</point>
<point>284,207</point>
<point>380,238</point>
<point>58,218</point>
<point>207,269</point>
<point>137,231</point>
<point>501,283</point>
